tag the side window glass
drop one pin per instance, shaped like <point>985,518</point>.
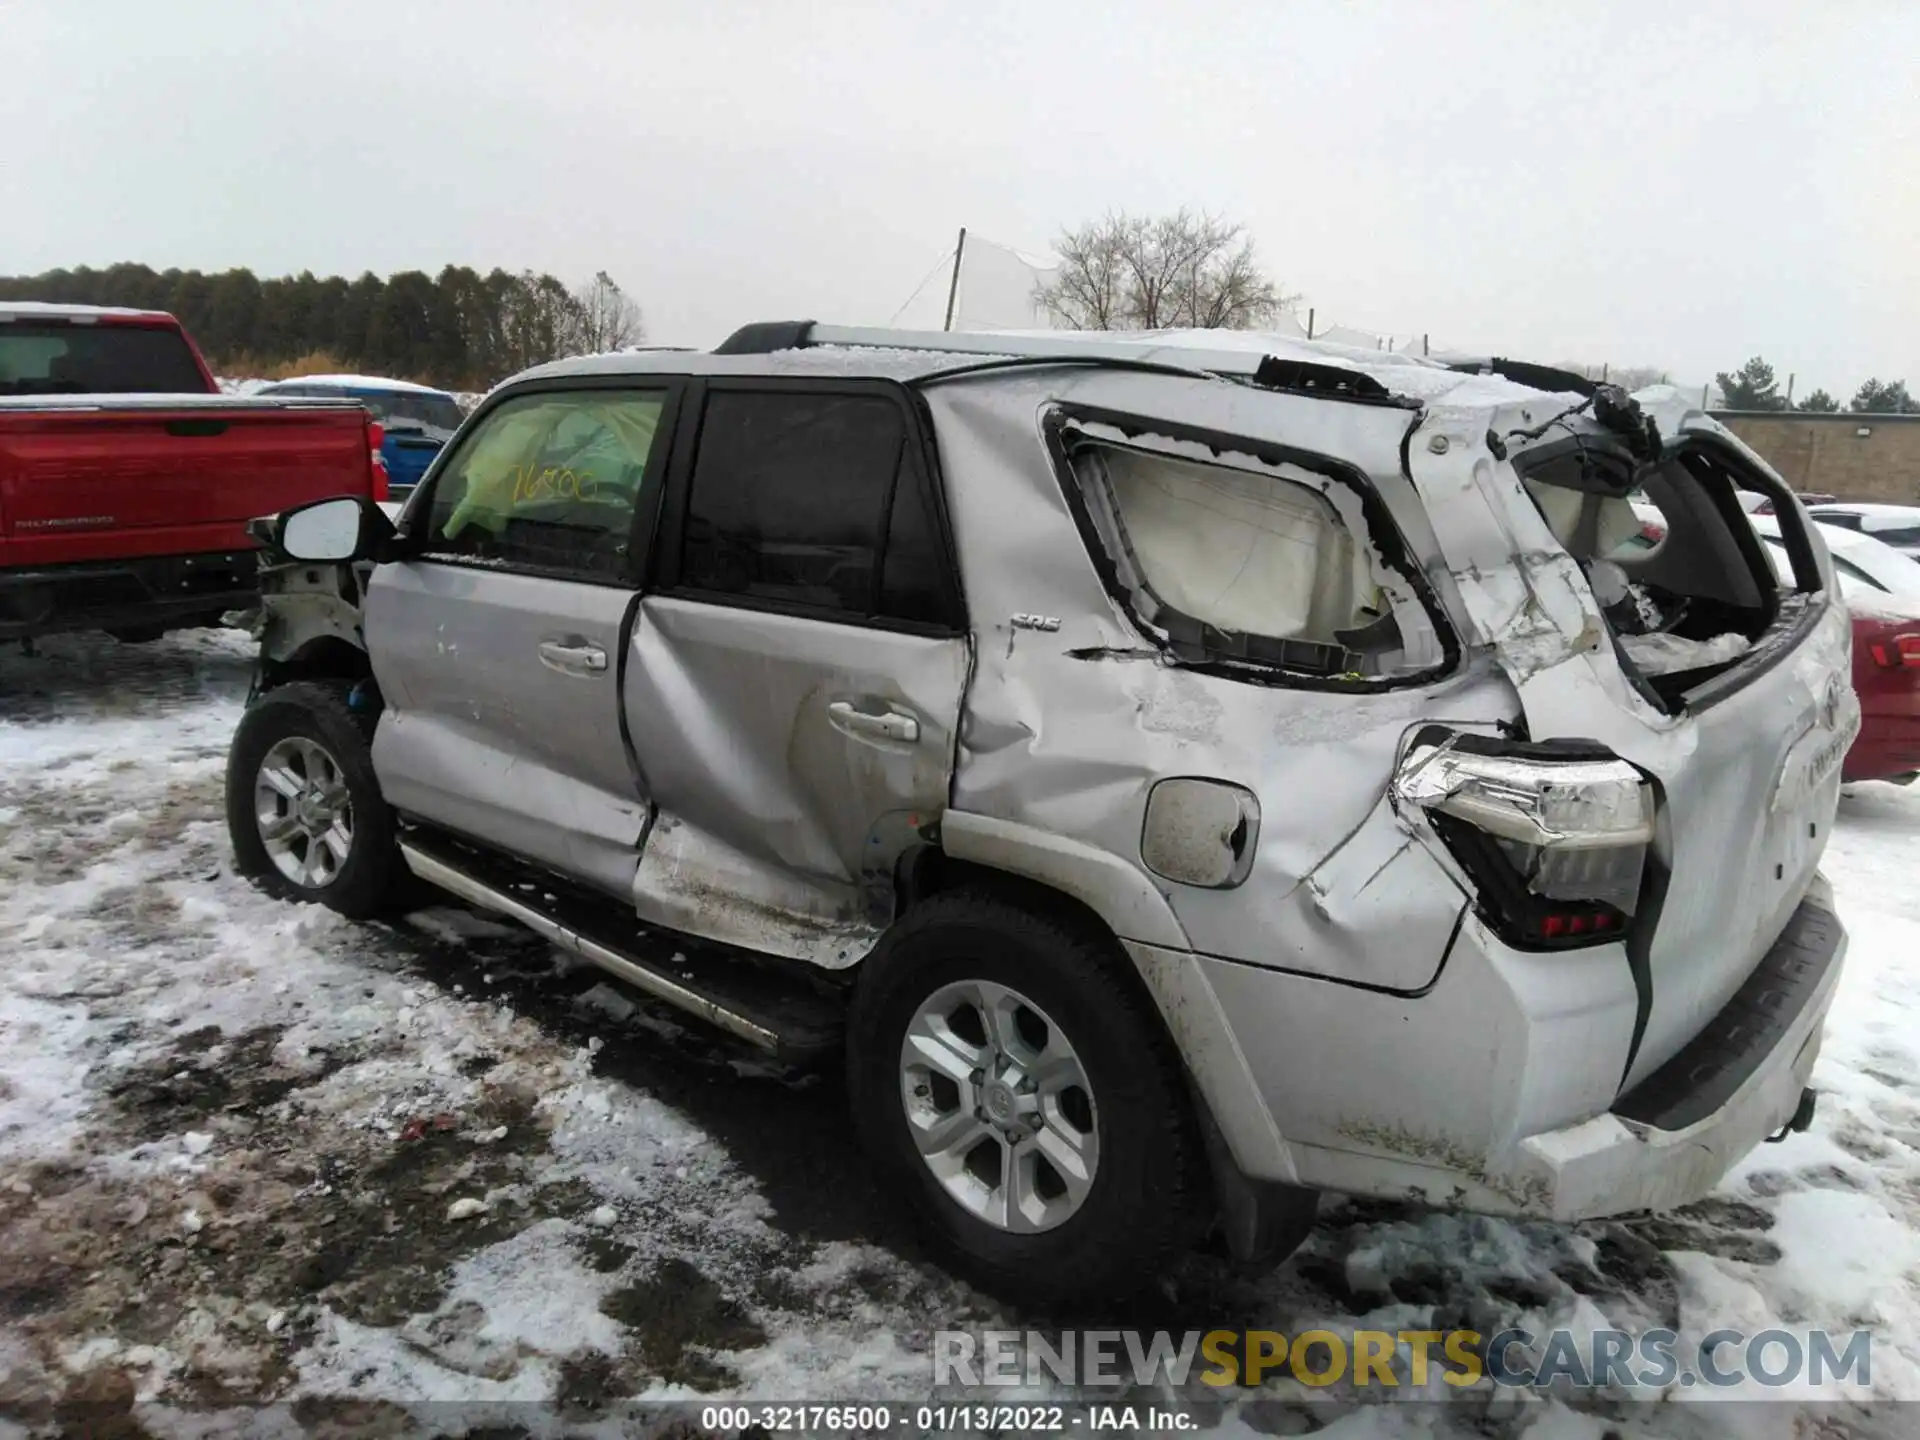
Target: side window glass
<point>550,481</point>
<point>790,503</point>
<point>914,583</point>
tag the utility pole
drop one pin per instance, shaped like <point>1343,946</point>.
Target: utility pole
<point>1309,322</point>
<point>953,286</point>
<point>1424,350</point>
<point>1789,390</point>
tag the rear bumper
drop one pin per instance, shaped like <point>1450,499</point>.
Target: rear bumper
<point>1672,1137</point>
<point>164,590</point>
<point>1456,1095</point>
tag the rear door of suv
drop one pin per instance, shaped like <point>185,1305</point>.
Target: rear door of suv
<point>499,643</point>
<point>796,673</point>
<point>1744,748</point>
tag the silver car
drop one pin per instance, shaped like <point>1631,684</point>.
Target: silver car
<point>1175,775</point>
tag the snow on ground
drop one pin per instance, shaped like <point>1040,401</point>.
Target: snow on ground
<point>252,1153</point>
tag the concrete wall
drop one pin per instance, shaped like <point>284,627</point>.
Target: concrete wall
<point>1829,454</point>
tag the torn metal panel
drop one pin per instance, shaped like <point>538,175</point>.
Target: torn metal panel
<point>1738,861</point>
<point>694,882</point>
<point>302,604</point>
<point>777,748</point>
<point>1067,732</point>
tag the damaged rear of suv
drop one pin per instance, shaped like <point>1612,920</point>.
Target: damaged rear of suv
<point>1175,780</point>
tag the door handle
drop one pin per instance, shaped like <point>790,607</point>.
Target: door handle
<point>574,659</point>
<point>887,725</point>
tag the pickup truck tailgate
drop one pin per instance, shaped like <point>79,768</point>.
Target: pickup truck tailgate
<point>119,476</point>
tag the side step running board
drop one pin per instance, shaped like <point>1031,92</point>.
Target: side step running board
<point>795,1026</point>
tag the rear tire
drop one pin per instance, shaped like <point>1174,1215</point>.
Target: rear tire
<point>304,809</point>
<point>1104,1190</point>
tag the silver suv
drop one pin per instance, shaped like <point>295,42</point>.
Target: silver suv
<point>1176,780</point>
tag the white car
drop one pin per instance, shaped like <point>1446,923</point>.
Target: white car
<point>1895,525</point>
<point>1862,563</point>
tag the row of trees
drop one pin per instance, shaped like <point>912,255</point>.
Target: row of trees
<point>1754,386</point>
<point>459,329</point>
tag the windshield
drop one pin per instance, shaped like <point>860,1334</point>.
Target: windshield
<point>59,358</point>
<point>399,410</point>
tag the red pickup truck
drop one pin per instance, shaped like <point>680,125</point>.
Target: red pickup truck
<point>127,479</point>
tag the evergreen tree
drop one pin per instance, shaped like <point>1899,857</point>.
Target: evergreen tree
<point>1752,387</point>
<point>459,329</point>
<point>1888,398</point>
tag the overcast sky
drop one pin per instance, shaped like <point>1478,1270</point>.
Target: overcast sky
<point>1684,183</point>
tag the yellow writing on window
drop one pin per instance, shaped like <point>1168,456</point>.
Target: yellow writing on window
<point>533,483</point>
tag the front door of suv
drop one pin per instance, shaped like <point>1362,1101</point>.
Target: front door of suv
<point>796,677</point>
<point>498,645</point>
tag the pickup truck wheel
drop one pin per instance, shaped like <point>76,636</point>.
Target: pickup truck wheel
<point>1007,1078</point>
<point>303,807</point>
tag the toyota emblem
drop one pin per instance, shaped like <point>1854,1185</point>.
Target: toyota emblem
<point>1830,704</point>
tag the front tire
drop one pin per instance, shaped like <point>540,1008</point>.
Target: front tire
<point>304,809</point>
<point>1010,1079</point>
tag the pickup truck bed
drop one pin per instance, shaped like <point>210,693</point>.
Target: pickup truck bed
<point>128,512</point>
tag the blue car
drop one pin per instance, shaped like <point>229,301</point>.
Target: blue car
<point>418,420</point>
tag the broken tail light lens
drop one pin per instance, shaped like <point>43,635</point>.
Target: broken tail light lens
<point>1555,847</point>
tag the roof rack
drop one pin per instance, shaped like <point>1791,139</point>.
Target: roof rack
<point>1333,381</point>
<point>801,334</point>
<point>1524,372</point>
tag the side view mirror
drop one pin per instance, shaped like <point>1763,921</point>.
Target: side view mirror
<point>350,527</point>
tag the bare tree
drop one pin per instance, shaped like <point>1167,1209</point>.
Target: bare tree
<point>606,318</point>
<point>1134,272</point>
<point>1090,292</point>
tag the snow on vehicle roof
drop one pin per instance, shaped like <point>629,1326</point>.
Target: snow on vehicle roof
<point>44,310</point>
<point>362,382</point>
<point>836,360</point>
<point>1419,378</point>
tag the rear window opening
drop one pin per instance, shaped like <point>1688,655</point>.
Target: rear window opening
<point>60,358</point>
<point>1681,576</point>
<point>1226,559</point>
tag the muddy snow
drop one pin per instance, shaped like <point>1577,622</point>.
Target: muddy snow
<point>258,1163</point>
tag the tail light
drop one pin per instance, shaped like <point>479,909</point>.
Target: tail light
<point>1894,653</point>
<point>1554,842</point>
<point>377,438</point>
